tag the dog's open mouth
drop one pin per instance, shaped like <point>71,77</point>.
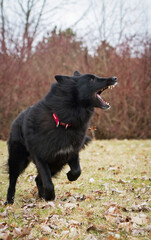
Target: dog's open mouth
<point>104,104</point>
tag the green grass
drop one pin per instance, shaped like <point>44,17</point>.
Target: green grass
<point>115,174</point>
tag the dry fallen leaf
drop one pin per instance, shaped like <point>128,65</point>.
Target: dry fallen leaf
<point>4,214</point>
<point>74,223</point>
<point>21,232</point>
<point>28,206</point>
<point>44,238</point>
<point>48,205</point>
<point>30,177</point>
<point>115,169</point>
<point>80,209</point>
<point>65,235</point>
<point>112,218</point>
<point>6,236</point>
<point>101,168</point>
<point>113,214</point>
<point>138,232</point>
<point>96,227</point>
<point>123,181</point>
<point>45,229</point>
<point>3,226</point>
<point>127,226</point>
<point>117,236</point>
<point>90,237</point>
<point>91,180</point>
<point>89,213</point>
<point>90,197</point>
<point>114,209</point>
<point>99,192</point>
<point>70,205</point>
<point>111,238</point>
<point>140,207</point>
<point>73,232</point>
<point>140,219</point>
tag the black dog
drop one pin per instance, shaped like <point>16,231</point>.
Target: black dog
<point>53,131</point>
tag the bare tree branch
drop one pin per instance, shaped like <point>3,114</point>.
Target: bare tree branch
<point>39,17</point>
<point>83,15</point>
<point>3,40</point>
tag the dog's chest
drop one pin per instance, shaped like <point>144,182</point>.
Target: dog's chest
<point>65,151</point>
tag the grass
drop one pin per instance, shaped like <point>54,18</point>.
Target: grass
<point>111,199</point>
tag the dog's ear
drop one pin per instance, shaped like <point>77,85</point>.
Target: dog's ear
<point>62,79</point>
<point>77,74</point>
<point>59,78</point>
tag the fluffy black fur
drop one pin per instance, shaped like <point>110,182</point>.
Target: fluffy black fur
<point>34,135</point>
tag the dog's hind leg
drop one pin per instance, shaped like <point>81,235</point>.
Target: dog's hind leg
<point>44,175</point>
<point>17,162</point>
<point>75,171</point>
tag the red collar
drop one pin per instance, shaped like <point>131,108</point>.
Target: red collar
<point>66,125</point>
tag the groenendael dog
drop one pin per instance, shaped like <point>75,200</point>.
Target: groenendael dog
<point>53,131</point>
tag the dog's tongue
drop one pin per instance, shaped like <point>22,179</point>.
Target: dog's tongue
<point>101,99</point>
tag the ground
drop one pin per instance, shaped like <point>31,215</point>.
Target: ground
<point>110,200</point>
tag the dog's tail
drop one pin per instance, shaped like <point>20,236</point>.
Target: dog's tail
<point>87,140</point>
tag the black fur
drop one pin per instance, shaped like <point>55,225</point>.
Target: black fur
<point>34,134</point>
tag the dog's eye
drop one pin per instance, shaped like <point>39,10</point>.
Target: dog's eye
<point>92,80</point>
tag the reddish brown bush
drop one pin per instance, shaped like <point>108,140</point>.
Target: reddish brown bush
<point>24,80</point>
<point>130,114</point>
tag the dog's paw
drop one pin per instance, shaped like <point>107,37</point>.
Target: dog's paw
<point>73,176</point>
<point>40,195</point>
<point>49,196</point>
<point>9,202</point>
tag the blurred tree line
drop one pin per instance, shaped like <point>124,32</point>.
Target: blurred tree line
<point>26,74</point>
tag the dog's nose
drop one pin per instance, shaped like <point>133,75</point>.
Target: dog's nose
<point>114,78</point>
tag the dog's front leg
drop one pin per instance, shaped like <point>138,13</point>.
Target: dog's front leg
<point>45,175</point>
<point>39,186</point>
<point>75,171</point>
